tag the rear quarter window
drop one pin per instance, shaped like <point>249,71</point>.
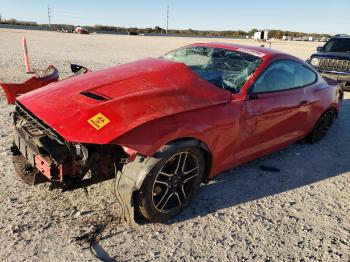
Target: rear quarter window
<point>308,76</point>
<point>284,75</point>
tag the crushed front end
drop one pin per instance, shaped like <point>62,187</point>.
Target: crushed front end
<point>41,154</point>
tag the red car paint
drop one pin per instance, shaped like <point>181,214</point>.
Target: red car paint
<point>136,93</point>
<point>152,102</point>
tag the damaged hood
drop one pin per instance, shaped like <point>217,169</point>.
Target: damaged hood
<point>100,106</point>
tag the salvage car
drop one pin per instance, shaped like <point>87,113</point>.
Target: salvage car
<point>333,60</point>
<point>164,125</point>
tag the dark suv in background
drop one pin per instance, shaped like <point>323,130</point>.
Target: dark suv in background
<point>333,60</point>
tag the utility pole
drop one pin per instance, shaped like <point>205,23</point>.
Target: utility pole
<point>49,15</point>
<point>167,19</point>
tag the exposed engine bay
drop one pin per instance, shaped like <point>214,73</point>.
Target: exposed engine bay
<point>56,159</point>
<point>41,155</point>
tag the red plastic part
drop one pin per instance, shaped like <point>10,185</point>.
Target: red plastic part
<point>12,91</point>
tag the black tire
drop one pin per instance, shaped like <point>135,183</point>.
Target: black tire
<point>322,126</point>
<point>171,185</point>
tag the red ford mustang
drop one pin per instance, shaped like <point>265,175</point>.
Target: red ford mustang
<point>163,126</point>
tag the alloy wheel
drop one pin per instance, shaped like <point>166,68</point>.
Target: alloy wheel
<point>174,182</point>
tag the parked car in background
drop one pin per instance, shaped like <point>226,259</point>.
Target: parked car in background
<point>333,60</point>
<point>164,125</point>
<point>81,30</point>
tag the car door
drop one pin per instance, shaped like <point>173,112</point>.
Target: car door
<point>274,112</point>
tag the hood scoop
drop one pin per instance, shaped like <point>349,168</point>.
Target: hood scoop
<point>95,96</point>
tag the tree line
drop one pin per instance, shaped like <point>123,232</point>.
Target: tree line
<point>278,34</point>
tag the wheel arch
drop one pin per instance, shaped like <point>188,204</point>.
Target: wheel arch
<point>334,109</point>
<point>330,108</point>
<point>188,141</point>
<point>130,179</point>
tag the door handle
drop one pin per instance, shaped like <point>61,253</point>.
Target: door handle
<point>304,103</point>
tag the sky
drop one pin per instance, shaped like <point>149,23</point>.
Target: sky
<point>310,16</point>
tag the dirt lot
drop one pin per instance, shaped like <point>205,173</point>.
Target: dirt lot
<point>299,214</point>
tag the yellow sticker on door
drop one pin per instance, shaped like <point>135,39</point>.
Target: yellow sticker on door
<point>98,121</point>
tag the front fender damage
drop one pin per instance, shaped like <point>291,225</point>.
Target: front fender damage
<point>129,180</point>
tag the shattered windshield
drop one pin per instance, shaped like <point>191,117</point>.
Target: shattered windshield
<point>338,45</point>
<point>224,68</point>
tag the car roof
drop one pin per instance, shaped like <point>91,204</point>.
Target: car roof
<point>341,36</point>
<point>253,50</point>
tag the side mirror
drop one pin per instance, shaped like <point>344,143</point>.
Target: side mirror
<point>320,48</point>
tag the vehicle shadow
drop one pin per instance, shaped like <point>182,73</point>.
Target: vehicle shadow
<point>300,164</point>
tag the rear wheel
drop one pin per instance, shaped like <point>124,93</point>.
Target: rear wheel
<point>322,126</point>
<point>171,184</point>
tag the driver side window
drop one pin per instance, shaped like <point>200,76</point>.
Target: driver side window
<point>284,75</point>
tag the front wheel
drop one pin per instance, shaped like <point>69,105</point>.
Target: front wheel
<point>171,185</point>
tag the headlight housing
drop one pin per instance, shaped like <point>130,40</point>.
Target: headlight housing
<point>315,62</point>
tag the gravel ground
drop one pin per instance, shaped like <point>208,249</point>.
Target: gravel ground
<point>299,214</point>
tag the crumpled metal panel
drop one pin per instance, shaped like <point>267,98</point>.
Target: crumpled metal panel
<point>41,78</point>
<point>129,180</point>
<point>140,92</point>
